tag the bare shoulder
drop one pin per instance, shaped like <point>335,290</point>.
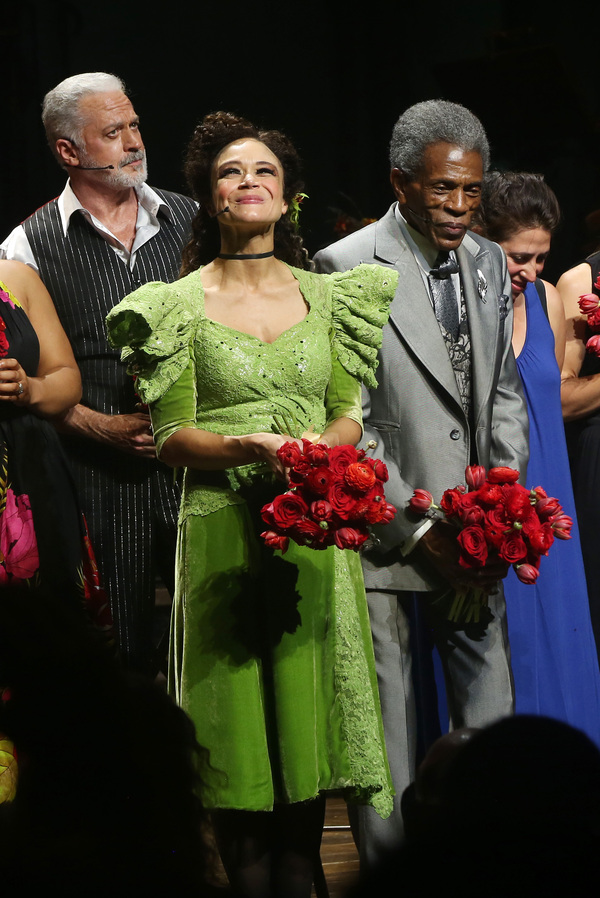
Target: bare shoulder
<point>573,284</point>
<point>22,281</point>
<point>553,299</point>
<point>17,276</point>
<point>575,280</point>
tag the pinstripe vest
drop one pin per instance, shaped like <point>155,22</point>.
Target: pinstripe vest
<point>85,279</point>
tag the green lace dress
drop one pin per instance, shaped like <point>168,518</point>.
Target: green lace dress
<point>271,654</point>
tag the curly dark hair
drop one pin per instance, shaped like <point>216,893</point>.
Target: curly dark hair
<point>516,201</point>
<point>213,134</point>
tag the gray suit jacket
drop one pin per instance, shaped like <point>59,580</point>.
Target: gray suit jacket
<point>415,415</point>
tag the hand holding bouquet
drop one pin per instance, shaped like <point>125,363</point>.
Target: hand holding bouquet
<point>335,495</point>
<point>497,518</point>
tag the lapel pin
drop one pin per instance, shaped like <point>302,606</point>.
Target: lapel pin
<point>481,285</point>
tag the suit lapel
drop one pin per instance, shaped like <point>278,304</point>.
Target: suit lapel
<point>411,312</point>
<point>482,312</point>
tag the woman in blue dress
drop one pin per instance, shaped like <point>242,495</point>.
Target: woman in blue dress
<point>553,652</point>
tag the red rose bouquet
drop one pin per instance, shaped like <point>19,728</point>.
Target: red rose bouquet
<point>497,516</point>
<point>334,495</point>
<point>589,305</point>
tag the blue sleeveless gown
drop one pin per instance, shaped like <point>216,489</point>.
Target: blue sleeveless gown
<point>553,651</point>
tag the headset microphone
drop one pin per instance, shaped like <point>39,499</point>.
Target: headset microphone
<point>90,167</point>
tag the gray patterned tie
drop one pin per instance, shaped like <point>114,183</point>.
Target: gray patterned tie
<point>445,302</point>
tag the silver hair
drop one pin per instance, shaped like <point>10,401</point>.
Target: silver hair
<point>61,113</point>
<point>435,121</point>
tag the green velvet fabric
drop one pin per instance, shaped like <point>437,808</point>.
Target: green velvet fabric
<point>271,654</point>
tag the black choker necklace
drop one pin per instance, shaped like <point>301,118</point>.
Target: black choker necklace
<point>246,255</point>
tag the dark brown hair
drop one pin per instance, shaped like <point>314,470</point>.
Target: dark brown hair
<point>516,201</point>
<point>213,134</point>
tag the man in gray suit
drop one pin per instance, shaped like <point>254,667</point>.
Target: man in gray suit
<point>449,395</point>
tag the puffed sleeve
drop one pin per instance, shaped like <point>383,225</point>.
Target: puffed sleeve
<point>360,307</point>
<point>153,327</point>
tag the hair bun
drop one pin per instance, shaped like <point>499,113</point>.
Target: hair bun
<point>217,126</point>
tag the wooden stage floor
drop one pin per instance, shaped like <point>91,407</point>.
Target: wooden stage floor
<point>339,858</point>
<point>338,852</point>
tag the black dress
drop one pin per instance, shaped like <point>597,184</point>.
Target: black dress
<point>583,440</point>
<point>43,535</point>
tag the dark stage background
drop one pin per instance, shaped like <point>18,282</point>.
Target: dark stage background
<point>334,79</point>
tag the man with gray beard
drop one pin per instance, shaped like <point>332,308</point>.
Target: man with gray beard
<point>104,236</point>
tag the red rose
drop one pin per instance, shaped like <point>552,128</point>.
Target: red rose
<point>289,454</point>
<point>360,476</point>
<point>495,530</point>
<point>317,453</point>
<point>380,468</point>
<point>287,509</point>
<point>475,476</point>
<point>350,538</point>
<point>489,494</point>
<point>341,499</point>
<point>540,538</point>
<point>474,547</point>
<point>471,515</point>
<point>275,541</point>
<point>361,508</point>
<point>381,471</point>
<point>526,573</point>
<point>299,472</point>
<point>311,533</point>
<point>512,548</point>
<point>451,501</point>
<point>517,503</point>
<point>321,510</point>
<point>421,501</point>
<point>342,456</point>
<point>376,509</point>
<point>497,515</point>
<point>502,475</point>
<point>318,480</point>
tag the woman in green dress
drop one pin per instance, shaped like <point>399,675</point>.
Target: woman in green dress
<point>271,654</point>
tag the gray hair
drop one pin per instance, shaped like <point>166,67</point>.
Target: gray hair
<point>435,121</point>
<point>60,110</point>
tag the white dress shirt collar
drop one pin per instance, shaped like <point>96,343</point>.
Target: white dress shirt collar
<point>147,224</point>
